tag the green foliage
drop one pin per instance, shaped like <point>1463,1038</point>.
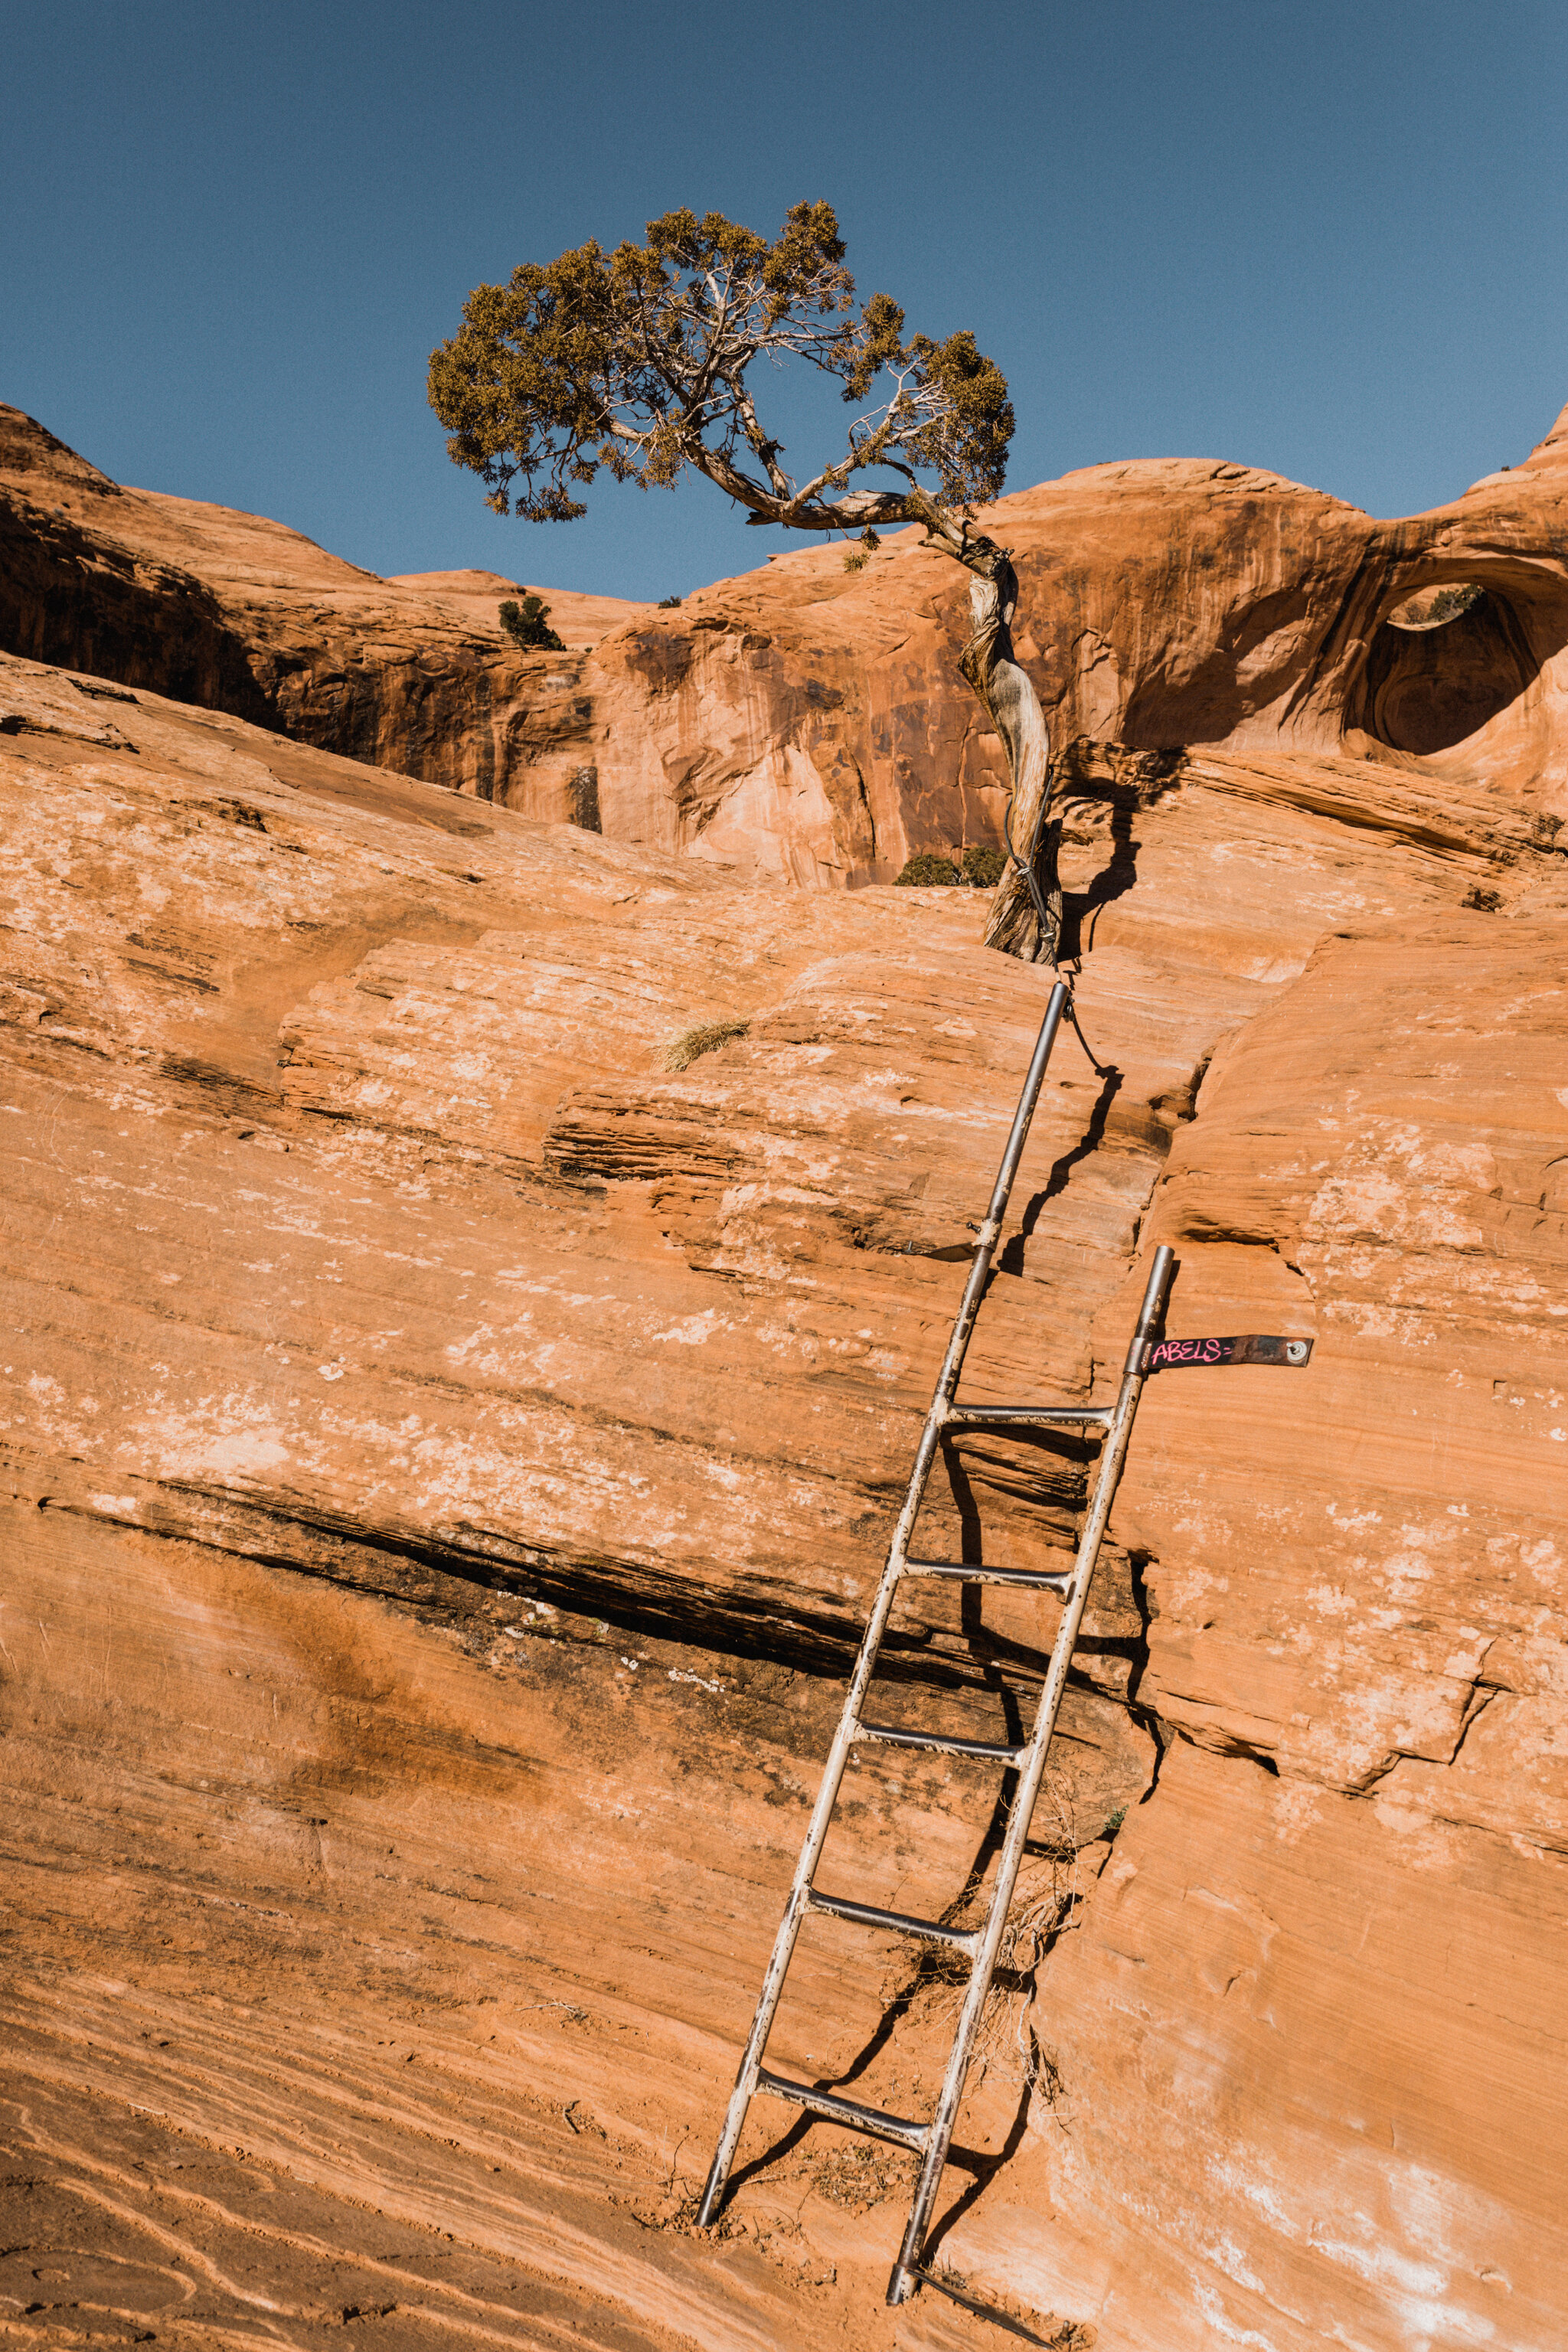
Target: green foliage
<point>1449,602</point>
<point>635,362</point>
<point>856,558</point>
<point>667,604</point>
<point>983,867</point>
<point>927,871</point>
<point>528,625</point>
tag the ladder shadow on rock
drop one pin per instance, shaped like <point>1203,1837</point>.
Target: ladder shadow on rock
<point>1011,1259</point>
<point>992,1948</point>
<point>995,1652</point>
<point>1120,875</point>
<point>982,2164</point>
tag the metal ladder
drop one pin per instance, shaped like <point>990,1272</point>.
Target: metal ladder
<point>930,2139</point>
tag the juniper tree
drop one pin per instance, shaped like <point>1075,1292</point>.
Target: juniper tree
<point>640,362</point>
<point>528,624</point>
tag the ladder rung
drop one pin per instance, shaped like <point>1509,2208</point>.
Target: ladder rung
<point>844,2111</point>
<point>1025,1416</point>
<point>961,1572</point>
<point>989,1751</point>
<point>903,1923</point>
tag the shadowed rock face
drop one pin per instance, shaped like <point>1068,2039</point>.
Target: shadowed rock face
<point>244,616</point>
<point>1428,689</point>
<point>449,1452</point>
<point>810,724</point>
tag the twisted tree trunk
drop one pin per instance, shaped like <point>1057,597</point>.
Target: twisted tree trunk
<point>1026,916</point>
<point>1024,921</point>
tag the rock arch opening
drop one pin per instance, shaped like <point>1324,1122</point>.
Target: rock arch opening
<point>1442,664</point>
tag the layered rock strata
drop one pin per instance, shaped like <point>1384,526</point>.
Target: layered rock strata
<point>449,1452</point>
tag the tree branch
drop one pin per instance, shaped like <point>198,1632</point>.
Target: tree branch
<point>637,361</point>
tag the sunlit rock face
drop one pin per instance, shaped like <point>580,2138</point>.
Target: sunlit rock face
<point>449,1450</point>
<point>806,721</point>
<point>813,722</point>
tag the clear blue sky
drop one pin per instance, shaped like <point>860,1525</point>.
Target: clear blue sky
<point>1324,238</point>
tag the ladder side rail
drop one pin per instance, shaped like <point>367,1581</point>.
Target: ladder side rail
<point>871,1641</point>
<point>906,2270</point>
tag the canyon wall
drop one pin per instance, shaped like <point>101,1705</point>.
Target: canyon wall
<point>449,1452</point>
<point>807,723</point>
<point>241,614</point>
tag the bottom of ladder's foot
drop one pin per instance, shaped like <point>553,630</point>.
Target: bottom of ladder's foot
<point>713,2198</point>
<point>903,2284</point>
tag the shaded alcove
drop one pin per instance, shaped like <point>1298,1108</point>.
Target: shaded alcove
<point>1429,682</point>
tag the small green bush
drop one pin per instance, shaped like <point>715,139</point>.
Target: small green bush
<point>528,625</point>
<point>927,871</point>
<point>983,867</point>
<point>666,604</point>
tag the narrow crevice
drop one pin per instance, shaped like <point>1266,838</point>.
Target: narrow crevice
<point>440,1581</point>
<point>1480,1698</point>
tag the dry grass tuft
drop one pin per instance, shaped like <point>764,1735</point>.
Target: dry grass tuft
<point>860,2177</point>
<point>705,1038</point>
<point>1043,1902</point>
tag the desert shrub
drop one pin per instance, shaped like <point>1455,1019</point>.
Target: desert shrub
<point>856,559</point>
<point>667,604</point>
<point>983,867</point>
<point>1449,602</point>
<point>706,1037</point>
<point>929,870</point>
<point>528,624</point>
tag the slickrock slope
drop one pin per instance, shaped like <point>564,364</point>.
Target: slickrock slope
<point>1366,1602</point>
<point>449,1452</point>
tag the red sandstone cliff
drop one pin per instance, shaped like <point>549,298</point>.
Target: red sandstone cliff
<point>809,723</point>
<point>449,1452</point>
<point>244,616</point>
